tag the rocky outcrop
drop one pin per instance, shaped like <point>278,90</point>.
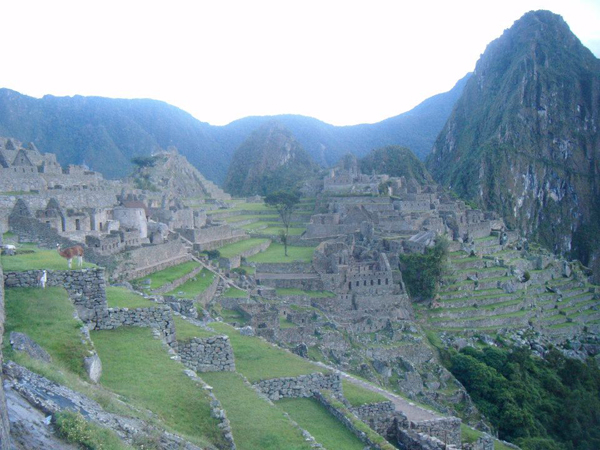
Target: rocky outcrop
<point>523,138</point>
<point>20,342</point>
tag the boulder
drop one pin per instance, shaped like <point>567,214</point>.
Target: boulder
<point>23,343</point>
<point>247,331</point>
<point>93,367</point>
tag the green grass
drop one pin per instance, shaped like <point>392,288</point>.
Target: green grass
<point>36,258</point>
<point>46,316</point>
<point>185,330</point>
<point>256,425</point>
<point>284,323</point>
<point>168,275</point>
<point>258,360</point>
<point>275,254</point>
<point>135,365</point>
<point>358,395</point>
<point>75,429</point>
<point>195,286</point>
<point>233,316</point>
<point>249,269</point>
<point>233,292</point>
<point>312,294</point>
<point>325,428</point>
<point>120,297</point>
<point>231,250</point>
<point>468,434</point>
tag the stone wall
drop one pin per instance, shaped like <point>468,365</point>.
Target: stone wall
<point>149,259</point>
<point>301,386</point>
<point>159,318</point>
<point>212,354</point>
<point>381,417</point>
<point>207,295</point>
<point>446,429</point>
<point>4,425</point>
<point>86,288</point>
<point>293,267</point>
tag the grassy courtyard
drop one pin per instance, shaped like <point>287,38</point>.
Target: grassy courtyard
<point>166,276</point>
<point>120,297</point>
<point>275,254</point>
<point>231,250</point>
<point>195,286</point>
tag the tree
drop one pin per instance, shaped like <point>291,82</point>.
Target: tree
<point>284,202</point>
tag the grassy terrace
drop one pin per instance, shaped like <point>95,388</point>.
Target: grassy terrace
<point>243,206</point>
<point>275,254</point>
<point>312,294</point>
<point>120,297</point>
<point>30,257</point>
<point>256,425</point>
<point>195,286</point>
<point>46,316</point>
<point>358,395</point>
<point>258,360</point>
<point>231,250</point>
<point>275,230</point>
<point>168,275</point>
<point>185,330</point>
<point>135,365</point>
<point>233,292</point>
<point>325,428</point>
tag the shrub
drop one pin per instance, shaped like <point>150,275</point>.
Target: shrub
<point>75,429</point>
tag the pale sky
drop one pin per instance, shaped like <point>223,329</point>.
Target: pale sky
<point>343,62</point>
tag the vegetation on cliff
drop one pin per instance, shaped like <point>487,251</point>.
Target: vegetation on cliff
<point>422,272</point>
<point>551,403</point>
<point>521,139</point>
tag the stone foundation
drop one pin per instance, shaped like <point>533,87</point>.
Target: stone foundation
<point>160,318</point>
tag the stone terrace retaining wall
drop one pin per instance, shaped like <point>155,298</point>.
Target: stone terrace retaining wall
<point>348,423</point>
<point>301,386</point>
<point>160,318</point>
<point>446,429</point>
<point>212,354</point>
<point>207,295</point>
<point>175,284</point>
<point>236,261</point>
<point>413,440</point>
<point>86,288</point>
<point>293,267</point>
<point>381,417</point>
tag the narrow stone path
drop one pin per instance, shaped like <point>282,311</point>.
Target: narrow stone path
<point>413,412</point>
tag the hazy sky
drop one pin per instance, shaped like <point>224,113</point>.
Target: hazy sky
<point>344,62</point>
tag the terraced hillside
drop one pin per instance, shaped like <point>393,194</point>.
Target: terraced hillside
<point>493,289</point>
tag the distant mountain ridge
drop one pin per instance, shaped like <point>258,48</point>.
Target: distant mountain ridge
<point>523,137</point>
<point>106,133</point>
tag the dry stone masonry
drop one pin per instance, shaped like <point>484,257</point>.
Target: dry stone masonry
<point>300,386</point>
<point>212,354</point>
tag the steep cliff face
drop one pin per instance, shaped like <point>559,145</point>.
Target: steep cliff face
<point>269,160</point>
<point>523,137</point>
